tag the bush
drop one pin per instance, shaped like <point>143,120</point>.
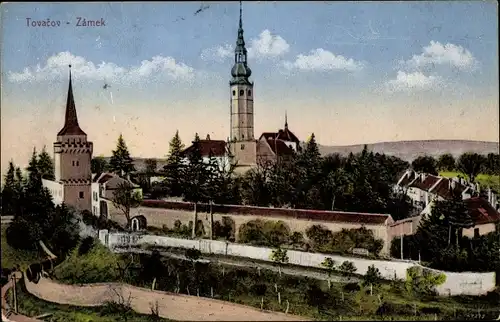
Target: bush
<point>98,265</point>
<point>86,245</point>
<point>351,287</point>
<point>264,233</point>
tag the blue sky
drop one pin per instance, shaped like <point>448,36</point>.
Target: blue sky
<point>352,72</point>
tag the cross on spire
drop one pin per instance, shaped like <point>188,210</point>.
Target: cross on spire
<point>286,121</point>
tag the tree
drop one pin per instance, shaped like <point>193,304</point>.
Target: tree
<point>279,256</point>
<point>425,164</point>
<point>151,165</point>
<point>471,164</point>
<point>347,268</point>
<point>422,281</point>
<point>34,177</point>
<point>446,162</point>
<point>195,179</point>
<point>174,167</point>
<point>45,165</point>
<point>372,277</point>
<point>121,163</point>
<point>492,165</point>
<point>98,164</point>
<point>9,193</point>
<point>329,264</point>
<point>125,198</point>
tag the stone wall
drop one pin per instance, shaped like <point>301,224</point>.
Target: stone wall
<point>456,283</point>
<point>159,217</point>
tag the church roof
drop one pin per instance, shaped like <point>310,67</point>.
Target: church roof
<point>279,147</point>
<point>218,148</point>
<point>71,126</point>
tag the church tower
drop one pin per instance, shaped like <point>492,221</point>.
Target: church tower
<point>242,138</point>
<point>72,157</point>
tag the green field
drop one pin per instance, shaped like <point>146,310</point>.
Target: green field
<point>484,180</point>
<point>12,257</point>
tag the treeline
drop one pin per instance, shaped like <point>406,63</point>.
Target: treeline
<point>36,218</point>
<point>470,164</point>
<point>359,182</point>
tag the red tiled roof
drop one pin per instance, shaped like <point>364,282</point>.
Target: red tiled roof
<point>104,178</point>
<point>481,211</point>
<point>279,147</point>
<point>407,178</point>
<point>328,216</point>
<point>425,185</point>
<point>218,148</point>
<point>443,188</point>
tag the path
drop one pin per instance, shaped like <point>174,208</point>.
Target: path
<point>6,314</point>
<point>173,306</point>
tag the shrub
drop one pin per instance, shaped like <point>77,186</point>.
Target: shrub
<point>86,245</point>
<point>347,268</point>
<point>99,264</point>
<point>264,233</point>
<point>423,281</point>
<point>351,287</point>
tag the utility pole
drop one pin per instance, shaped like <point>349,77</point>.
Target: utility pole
<point>14,292</point>
<point>401,238</point>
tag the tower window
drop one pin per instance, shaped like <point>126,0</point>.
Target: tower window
<point>243,147</point>
<point>243,136</point>
<point>77,163</point>
<point>249,93</point>
<point>242,92</point>
<point>81,194</point>
<point>73,162</point>
<point>234,93</point>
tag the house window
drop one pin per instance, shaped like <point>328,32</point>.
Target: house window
<point>249,93</point>
<point>242,92</point>
<point>234,93</point>
<point>243,147</point>
<point>81,194</point>
<point>476,232</point>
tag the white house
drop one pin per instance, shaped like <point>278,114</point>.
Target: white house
<point>56,190</point>
<point>103,186</point>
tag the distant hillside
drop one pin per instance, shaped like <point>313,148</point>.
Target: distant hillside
<point>409,150</point>
<point>406,150</point>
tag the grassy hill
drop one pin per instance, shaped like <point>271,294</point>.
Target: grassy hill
<point>409,150</point>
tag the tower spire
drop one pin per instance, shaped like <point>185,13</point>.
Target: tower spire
<point>71,126</point>
<point>240,71</point>
<point>286,121</point>
<point>241,16</point>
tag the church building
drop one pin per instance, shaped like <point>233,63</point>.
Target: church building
<point>72,159</point>
<point>242,147</point>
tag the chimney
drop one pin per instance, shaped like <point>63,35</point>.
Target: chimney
<point>477,187</point>
<point>453,184</point>
<point>208,137</point>
<point>422,177</point>
<point>490,196</point>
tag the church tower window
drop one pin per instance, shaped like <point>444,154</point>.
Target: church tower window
<point>242,92</point>
<point>234,93</point>
<point>249,93</point>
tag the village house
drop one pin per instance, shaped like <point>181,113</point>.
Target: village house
<point>104,186</point>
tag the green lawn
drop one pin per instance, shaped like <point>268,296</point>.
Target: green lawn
<point>30,305</point>
<point>12,257</point>
<point>484,180</point>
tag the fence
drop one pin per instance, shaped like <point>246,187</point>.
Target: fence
<point>468,283</point>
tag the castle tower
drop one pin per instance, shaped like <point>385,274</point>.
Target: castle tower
<point>242,139</point>
<point>72,157</point>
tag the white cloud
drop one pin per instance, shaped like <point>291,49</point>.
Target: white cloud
<point>439,54</point>
<point>57,66</point>
<point>266,45</point>
<point>323,60</point>
<point>410,82</point>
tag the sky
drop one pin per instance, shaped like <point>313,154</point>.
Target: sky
<point>349,72</point>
